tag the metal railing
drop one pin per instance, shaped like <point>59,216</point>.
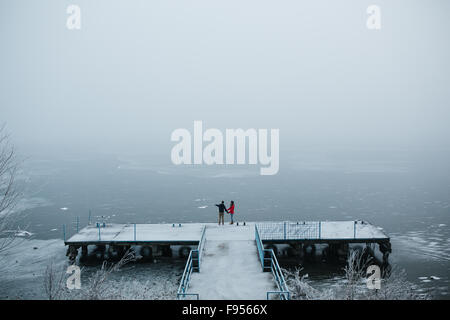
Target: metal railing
<point>302,230</point>
<point>260,247</point>
<point>193,263</point>
<point>72,228</point>
<point>269,261</point>
<point>290,230</point>
<point>185,279</point>
<point>103,225</point>
<point>199,249</point>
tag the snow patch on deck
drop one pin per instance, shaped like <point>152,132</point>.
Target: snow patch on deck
<point>230,268</point>
<point>345,230</point>
<point>144,232</point>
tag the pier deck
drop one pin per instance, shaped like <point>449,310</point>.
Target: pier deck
<point>230,260</point>
<point>230,267</point>
<point>139,234</point>
<point>321,232</point>
<point>190,233</point>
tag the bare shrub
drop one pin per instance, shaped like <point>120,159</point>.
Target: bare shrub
<point>394,285</point>
<point>54,282</point>
<point>98,288</point>
<point>355,273</point>
<point>101,286</point>
<point>300,289</point>
<point>9,194</point>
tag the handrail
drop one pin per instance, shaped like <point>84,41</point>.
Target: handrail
<point>305,230</point>
<point>287,230</point>
<point>260,247</point>
<point>185,279</point>
<point>283,290</point>
<point>279,277</point>
<point>200,247</point>
<point>190,267</point>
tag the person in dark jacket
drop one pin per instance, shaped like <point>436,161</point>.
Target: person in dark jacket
<point>222,209</point>
<point>231,211</point>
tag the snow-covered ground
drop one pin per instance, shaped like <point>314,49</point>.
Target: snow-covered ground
<point>22,267</point>
<point>22,273</point>
<point>230,267</point>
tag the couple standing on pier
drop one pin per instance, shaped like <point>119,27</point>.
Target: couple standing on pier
<point>222,210</point>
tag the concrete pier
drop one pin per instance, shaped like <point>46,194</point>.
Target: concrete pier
<point>232,255</point>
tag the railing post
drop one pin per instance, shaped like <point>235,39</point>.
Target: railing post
<point>89,221</point>
<point>135,232</point>
<point>320,228</point>
<point>99,238</point>
<point>354,230</point>
<point>285,230</point>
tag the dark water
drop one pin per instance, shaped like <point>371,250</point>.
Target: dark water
<point>409,199</point>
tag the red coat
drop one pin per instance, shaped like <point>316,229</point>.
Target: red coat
<point>231,209</point>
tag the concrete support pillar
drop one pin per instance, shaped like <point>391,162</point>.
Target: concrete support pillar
<point>166,251</point>
<point>385,249</point>
<point>72,253</point>
<point>100,251</point>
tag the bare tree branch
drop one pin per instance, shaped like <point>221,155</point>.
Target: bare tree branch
<point>97,289</point>
<point>9,194</point>
<point>352,286</point>
<point>53,282</point>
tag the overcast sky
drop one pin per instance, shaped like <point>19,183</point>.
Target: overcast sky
<point>138,69</point>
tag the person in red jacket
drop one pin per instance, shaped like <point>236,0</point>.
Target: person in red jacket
<point>231,211</point>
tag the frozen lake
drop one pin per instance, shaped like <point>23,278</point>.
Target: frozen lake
<point>411,201</point>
